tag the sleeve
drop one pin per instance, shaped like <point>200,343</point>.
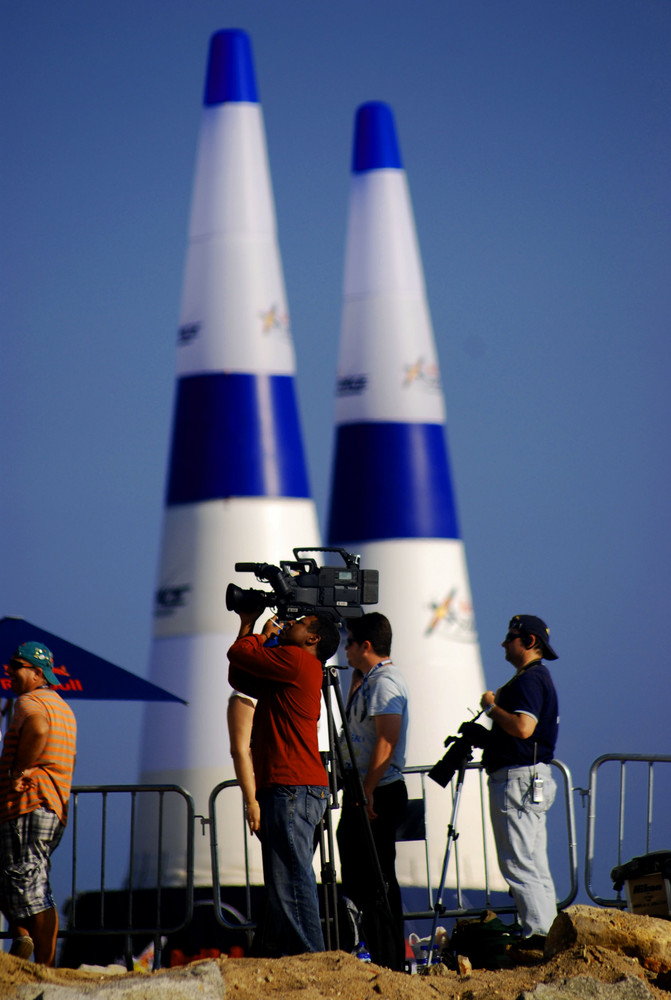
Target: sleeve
<point>250,659</point>
<point>244,697</point>
<point>529,697</point>
<point>26,706</point>
<point>387,698</point>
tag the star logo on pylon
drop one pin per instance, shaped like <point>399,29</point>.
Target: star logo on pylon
<point>441,611</point>
<point>422,372</point>
<point>452,615</point>
<point>273,319</point>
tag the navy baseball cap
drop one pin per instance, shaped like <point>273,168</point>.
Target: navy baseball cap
<point>534,626</point>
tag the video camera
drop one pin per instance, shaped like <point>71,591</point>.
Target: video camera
<point>460,751</point>
<point>301,587</point>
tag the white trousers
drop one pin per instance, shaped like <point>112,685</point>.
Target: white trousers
<point>521,842</point>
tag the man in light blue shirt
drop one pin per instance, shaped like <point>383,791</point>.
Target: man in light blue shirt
<point>377,717</point>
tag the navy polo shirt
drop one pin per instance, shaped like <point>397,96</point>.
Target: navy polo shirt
<point>532,692</point>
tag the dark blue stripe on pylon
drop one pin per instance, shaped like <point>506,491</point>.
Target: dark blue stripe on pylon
<point>375,141</point>
<point>236,435</point>
<point>391,481</point>
<point>230,69</point>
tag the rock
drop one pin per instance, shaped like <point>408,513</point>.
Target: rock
<point>200,981</point>
<point>583,988</point>
<point>105,970</point>
<point>464,966</point>
<point>436,969</point>
<point>648,939</point>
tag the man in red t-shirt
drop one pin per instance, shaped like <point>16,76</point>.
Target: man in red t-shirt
<point>291,782</point>
<point>36,768</point>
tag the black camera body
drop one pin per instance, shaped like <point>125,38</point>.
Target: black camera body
<point>301,587</point>
<point>460,751</point>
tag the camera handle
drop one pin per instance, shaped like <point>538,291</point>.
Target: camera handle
<point>452,836</point>
<point>331,681</point>
<point>347,557</point>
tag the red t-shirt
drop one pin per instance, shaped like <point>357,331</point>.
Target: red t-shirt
<point>287,681</point>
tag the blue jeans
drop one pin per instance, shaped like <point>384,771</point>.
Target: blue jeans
<point>521,842</point>
<point>289,816</point>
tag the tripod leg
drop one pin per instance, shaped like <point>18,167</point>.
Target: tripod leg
<point>451,838</point>
<point>328,881</point>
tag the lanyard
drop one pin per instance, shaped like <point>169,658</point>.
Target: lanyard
<point>363,690</point>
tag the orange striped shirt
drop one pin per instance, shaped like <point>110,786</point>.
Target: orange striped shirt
<point>53,778</point>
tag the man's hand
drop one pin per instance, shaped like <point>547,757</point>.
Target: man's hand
<point>248,621</point>
<point>369,792</point>
<point>487,699</point>
<point>24,782</point>
<point>253,811</point>
<point>272,627</point>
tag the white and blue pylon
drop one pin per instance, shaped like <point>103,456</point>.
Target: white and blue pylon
<point>392,497</point>
<point>237,487</point>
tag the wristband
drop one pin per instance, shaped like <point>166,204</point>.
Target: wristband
<point>488,710</point>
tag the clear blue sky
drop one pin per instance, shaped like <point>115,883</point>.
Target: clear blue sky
<point>536,140</point>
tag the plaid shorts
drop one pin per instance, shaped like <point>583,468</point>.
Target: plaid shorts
<point>26,844</point>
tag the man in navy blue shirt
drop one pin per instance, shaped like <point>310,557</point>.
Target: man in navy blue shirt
<point>517,758</point>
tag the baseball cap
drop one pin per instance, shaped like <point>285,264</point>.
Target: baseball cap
<point>535,626</point>
<point>39,656</point>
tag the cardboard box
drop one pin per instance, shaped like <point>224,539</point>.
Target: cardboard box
<point>649,895</point>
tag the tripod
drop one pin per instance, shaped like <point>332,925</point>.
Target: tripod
<point>465,755</point>
<point>336,765</point>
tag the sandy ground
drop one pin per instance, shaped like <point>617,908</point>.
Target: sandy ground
<point>337,974</point>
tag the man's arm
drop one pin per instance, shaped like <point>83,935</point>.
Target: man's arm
<point>32,741</point>
<point>251,658</point>
<point>239,677</point>
<point>240,719</point>
<point>387,733</point>
<point>247,622</point>
<point>517,724</point>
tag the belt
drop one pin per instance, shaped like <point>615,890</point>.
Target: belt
<point>517,767</point>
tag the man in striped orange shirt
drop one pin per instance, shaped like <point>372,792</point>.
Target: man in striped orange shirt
<point>36,768</point>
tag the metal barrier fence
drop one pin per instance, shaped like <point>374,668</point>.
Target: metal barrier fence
<point>234,920</point>
<point>431,850</point>
<point>627,813</point>
<point>93,809</point>
<point>461,907</point>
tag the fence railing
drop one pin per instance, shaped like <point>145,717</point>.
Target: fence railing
<point>489,863</point>
<point>231,919</point>
<point>633,815</point>
<point>93,807</point>
<point>225,915</point>
<point>92,811</point>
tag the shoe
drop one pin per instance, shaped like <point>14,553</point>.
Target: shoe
<point>22,947</point>
<point>536,942</point>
